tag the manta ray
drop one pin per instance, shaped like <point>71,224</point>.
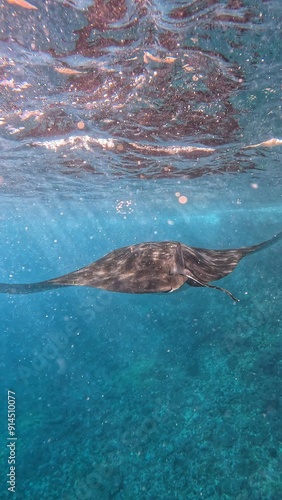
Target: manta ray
<point>149,268</point>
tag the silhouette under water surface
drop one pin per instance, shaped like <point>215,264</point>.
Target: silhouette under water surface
<point>149,268</point>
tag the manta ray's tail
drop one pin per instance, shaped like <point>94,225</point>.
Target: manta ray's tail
<point>19,289</point>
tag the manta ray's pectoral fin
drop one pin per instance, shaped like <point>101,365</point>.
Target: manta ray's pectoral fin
<point>180,269</point>
<point>200,283</point>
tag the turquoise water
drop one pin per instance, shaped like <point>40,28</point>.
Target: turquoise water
<point>160,396</point>
<point>150,396</point>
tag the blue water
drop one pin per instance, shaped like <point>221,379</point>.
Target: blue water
<point>148,397</point>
